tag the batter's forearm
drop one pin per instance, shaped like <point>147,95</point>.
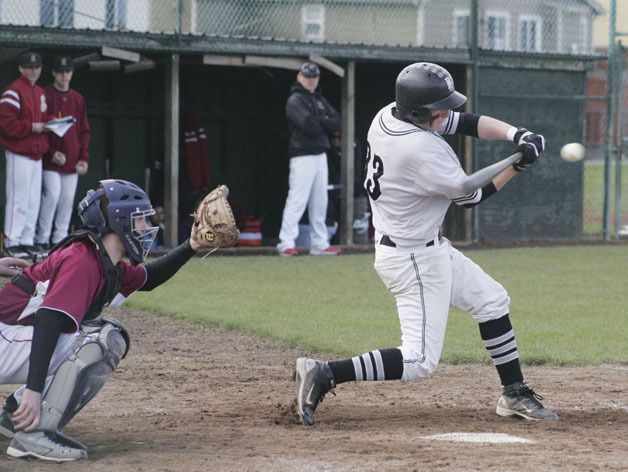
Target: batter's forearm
<point>493,129</point>
<point>494,186</point>
<point>487,191</point>
<point>503,178</point>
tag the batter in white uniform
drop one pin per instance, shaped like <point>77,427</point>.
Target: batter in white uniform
<point>413,175</point>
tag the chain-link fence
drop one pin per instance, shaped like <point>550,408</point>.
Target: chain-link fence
<point>504,30</point>
<point>601,183</point>
<point>509,25</point>
<point>595,129</point>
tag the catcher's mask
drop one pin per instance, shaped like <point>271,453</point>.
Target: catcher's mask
<point>422,87</point>
<point>123,208</point>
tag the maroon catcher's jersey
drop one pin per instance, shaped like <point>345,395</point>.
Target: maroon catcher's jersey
<point>68,281</point>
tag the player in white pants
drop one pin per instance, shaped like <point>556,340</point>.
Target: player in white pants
<point>57,201</point>
<point>413,175</point>
<point>311,120</point>
<point>23,112</point>
<point>65,161</point>
<point>308,189</point>
<point>24,177</point>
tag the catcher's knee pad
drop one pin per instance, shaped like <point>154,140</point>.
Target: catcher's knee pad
<point>82,375</point>
<point>111,333</point>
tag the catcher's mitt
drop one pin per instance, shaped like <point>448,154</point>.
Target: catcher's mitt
<point>214,225</point>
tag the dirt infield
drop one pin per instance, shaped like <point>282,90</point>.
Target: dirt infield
<point>190,398</point>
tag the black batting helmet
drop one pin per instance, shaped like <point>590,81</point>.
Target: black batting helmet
<point>423,86</point>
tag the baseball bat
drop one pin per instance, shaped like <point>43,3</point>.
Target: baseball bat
<point>484,176</point>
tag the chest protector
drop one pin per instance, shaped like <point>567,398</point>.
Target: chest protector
<point>112,274</point>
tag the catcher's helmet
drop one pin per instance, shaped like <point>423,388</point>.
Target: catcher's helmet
<point>120,207</point>
<point>423,86</point>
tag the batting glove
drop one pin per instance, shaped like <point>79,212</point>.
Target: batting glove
<point>531,145</point>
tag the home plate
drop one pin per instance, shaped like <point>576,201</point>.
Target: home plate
<point>485,438</point>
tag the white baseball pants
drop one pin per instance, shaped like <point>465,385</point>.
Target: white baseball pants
<point>308,187</point>
<point>15,349</point>
<point>23,194</point>
<point>425,281</point>
<point>57,201</point>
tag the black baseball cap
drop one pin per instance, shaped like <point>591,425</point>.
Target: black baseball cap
<point>62,63</point>
<point>309,69</point>
<point>30,59</point>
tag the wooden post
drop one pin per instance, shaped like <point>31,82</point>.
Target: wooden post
<point>347,152</point>
<point>171,147</point>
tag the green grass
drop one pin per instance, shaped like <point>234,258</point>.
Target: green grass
<point>569,304</point>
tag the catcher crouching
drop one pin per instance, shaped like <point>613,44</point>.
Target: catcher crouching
<point>53,339</point>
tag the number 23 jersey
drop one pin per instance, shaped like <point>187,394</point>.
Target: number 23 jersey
<point>412,177</point>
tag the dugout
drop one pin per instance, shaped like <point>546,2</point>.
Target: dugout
<point>240,108</point>
<point>243,111</point>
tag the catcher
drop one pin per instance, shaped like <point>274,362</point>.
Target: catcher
<point>52,337</point>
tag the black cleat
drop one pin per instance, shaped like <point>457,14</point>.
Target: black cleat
<point>520,400</point>
<point>314,379</point>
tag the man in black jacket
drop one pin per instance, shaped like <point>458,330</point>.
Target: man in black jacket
<point>311,120</point>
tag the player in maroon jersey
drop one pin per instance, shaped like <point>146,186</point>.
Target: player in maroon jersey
<point>52,337</point>
<point>66,159</point>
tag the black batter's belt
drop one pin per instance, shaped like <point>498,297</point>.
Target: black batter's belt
<point>386,241</point>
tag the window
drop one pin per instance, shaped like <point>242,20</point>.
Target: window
<point>530,31</point>
<point>585,35</point>
<point>313,22</point>
<point>496,31</point>
<point>462,31</point>
<point>116,14</point>
<point>47,13</point>
<point>56,13</point>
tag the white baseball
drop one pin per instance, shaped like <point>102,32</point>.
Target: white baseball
<point>573,152</point>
